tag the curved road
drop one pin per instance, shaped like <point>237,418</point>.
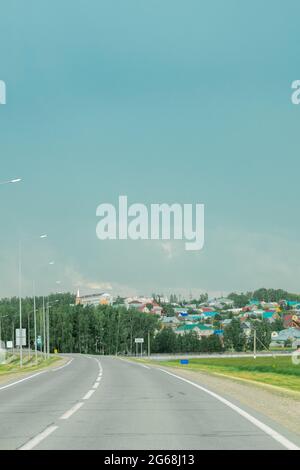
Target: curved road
<point>109,403</point>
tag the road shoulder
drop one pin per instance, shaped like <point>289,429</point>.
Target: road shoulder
<point>280,406</point>
<point>9,377</point>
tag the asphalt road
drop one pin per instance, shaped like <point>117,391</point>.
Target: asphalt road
<point>109,403</point>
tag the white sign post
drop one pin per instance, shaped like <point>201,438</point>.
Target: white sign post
<point>21,337</point>
<point>139,341</point>
<point>2,352</point>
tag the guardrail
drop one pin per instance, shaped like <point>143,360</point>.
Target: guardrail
<point>166,357</point>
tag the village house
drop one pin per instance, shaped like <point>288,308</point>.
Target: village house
<point>201,330</point>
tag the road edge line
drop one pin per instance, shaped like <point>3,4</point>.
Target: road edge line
<point>264,427</point>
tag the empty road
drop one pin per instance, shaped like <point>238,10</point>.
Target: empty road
<point>96,402</point>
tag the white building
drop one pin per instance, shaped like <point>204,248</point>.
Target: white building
<point>94,299</point>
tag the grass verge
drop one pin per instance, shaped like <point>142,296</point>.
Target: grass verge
<point>12,366</point>
<point>275,371</point>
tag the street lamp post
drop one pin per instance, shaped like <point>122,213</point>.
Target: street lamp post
<point>48,331</point>
<point>44,328</point>
<point>13,181</point>
<point>20,308</point>
<point>49,304</point>
<point>20,295</point>
<point>34,322</point>
<point>29,348</point>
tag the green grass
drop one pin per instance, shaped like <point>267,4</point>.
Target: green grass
<point>276,371</point>
<point>12,365</point>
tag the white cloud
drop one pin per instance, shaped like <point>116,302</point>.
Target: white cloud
<point>79,281</point>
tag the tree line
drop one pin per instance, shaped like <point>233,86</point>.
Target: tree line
<point>73,328</point>
<point>113,329</point>
<point>262,294</point>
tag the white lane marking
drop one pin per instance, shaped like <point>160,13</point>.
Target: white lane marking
<point>39,438</point>
<point>271,432</point>
<point>72,410</point>
<point>98,379</point>
<point>99,365</point>
<point>96,385</point>
<point>88,394</point>
<point>134,363</point>
<point>23,380</point>
<point>34,375</point>
<point>65,365</point>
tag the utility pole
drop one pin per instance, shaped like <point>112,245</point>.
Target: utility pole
<point>48,331</point>
<point>1,318</point>
<point>34,320</point>
<point>44,328</point>
<point>254,343</point>
<point>118,333</point>
<point>20,306</point>
<point>29,349</point>
<point>13,337</point>
<point>149,348</point>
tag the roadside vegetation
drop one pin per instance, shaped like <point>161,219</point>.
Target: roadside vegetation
<point>12,364</point>
<point>277,371</point>
<point>112,329</point>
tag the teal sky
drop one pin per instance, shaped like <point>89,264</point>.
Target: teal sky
<point>163,101</point>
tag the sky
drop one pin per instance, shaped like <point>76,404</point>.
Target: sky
<point>172,101</point>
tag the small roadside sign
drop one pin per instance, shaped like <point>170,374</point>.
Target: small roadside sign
<point>9,345</point>
<point>139,340</point>
<point>184,361</point>
<point>21,337</point>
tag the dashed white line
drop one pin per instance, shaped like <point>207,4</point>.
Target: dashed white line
<point>32,443</point>
<point>88,394</point>
<point>271,432</point>
<point>39,438</point>
<point>72,410</point>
